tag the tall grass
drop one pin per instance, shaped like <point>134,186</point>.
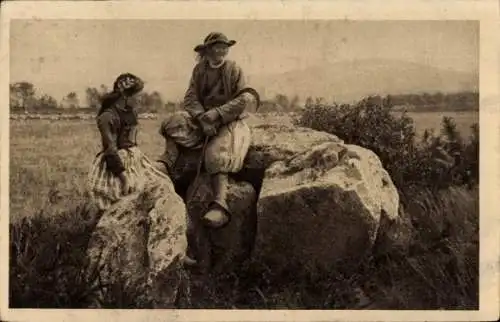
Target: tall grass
<point>47,259</point>
<point>47,267</point>
<point>440,270</point>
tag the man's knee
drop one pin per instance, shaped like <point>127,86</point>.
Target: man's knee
<point>174,121</point>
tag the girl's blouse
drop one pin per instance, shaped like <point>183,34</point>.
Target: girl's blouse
<point>118,129</point>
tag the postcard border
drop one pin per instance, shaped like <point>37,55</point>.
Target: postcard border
<point>485,11</point>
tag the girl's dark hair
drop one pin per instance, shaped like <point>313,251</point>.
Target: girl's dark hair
<point>136,86</point>
<point>108,100</point>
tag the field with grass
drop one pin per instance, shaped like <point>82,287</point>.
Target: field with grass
<point>49,161</point>
<point>432,120</point>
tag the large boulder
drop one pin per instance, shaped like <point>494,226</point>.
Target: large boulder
<point>138,243</point>
<point>320,201</point>
<point>270,143</point>
<point>224,249</point>
<point>322,207</point>
<point>273,142</point>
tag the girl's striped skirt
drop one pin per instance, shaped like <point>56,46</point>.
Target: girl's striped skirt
<point>104,188</point>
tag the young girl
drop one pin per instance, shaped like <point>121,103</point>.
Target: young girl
<point>120,168</point>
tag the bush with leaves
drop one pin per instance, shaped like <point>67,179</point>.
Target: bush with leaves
<point>432,161</point>
<point>49,267</point>
<point>444,251</point>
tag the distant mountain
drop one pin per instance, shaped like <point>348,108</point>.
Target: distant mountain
<point>351,80</point>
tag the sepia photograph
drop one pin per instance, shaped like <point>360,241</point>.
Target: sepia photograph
<point>287,164</point>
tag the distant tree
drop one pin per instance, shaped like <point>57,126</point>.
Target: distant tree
<point>103,89</point>
<point>144,101</point>
<point>462,100</point>
<point>427,99</point>
<point>294,103</point>
<point>23,94</point>
<point>388,101</point>
<point>432,100</point>
<point>438,98</point>
<point>14,99</point>
<point>309,102</point>
<point>156,101</point>
<point>320,101</point>
<point>71,100</point>
<point>282,100</point>
<point>47,102</point>
<point>93,97</point>
<point>170,106</point>
<point>374,100</point>
<point>416,100</point>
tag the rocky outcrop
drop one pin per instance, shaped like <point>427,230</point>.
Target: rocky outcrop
<point>139,242</point>
<point>270,143</point>
<point>323,207</point>
<point>230,245</point>
<point>320,201</point>
<point>304,200</point>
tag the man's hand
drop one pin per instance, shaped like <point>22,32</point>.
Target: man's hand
<point>208,130</point>
<point>211,116</point>
<point>209,122</point>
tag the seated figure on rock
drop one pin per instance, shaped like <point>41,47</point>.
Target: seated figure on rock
<point>120,168</point>
<point>214,112</point>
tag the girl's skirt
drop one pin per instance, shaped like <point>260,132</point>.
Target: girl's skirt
<point>105,188</point>
<point>117,244</point>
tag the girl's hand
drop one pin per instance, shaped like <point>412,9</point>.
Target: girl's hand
<point>126,187</point>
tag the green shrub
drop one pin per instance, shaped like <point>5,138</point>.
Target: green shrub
<point>442,268</point>
<point>433,161</point>
<point>47,260</point>
<point>49,267</point>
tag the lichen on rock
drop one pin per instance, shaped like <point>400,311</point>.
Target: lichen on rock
<point>323,207</point>
<point>139,241</point>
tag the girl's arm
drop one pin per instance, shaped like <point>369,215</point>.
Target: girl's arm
<point>105,124</point>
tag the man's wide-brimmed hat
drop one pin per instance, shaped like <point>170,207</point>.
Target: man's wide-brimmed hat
<point>214,38</point>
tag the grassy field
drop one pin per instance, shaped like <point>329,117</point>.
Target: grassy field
<point>432,120</point>
<point>49,161</point>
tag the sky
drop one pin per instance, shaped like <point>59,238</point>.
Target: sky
<point>60,56</point>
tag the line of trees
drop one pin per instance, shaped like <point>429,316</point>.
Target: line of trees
<point>438,101</point>
<point>24,99</point>
<point>465,101</point>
